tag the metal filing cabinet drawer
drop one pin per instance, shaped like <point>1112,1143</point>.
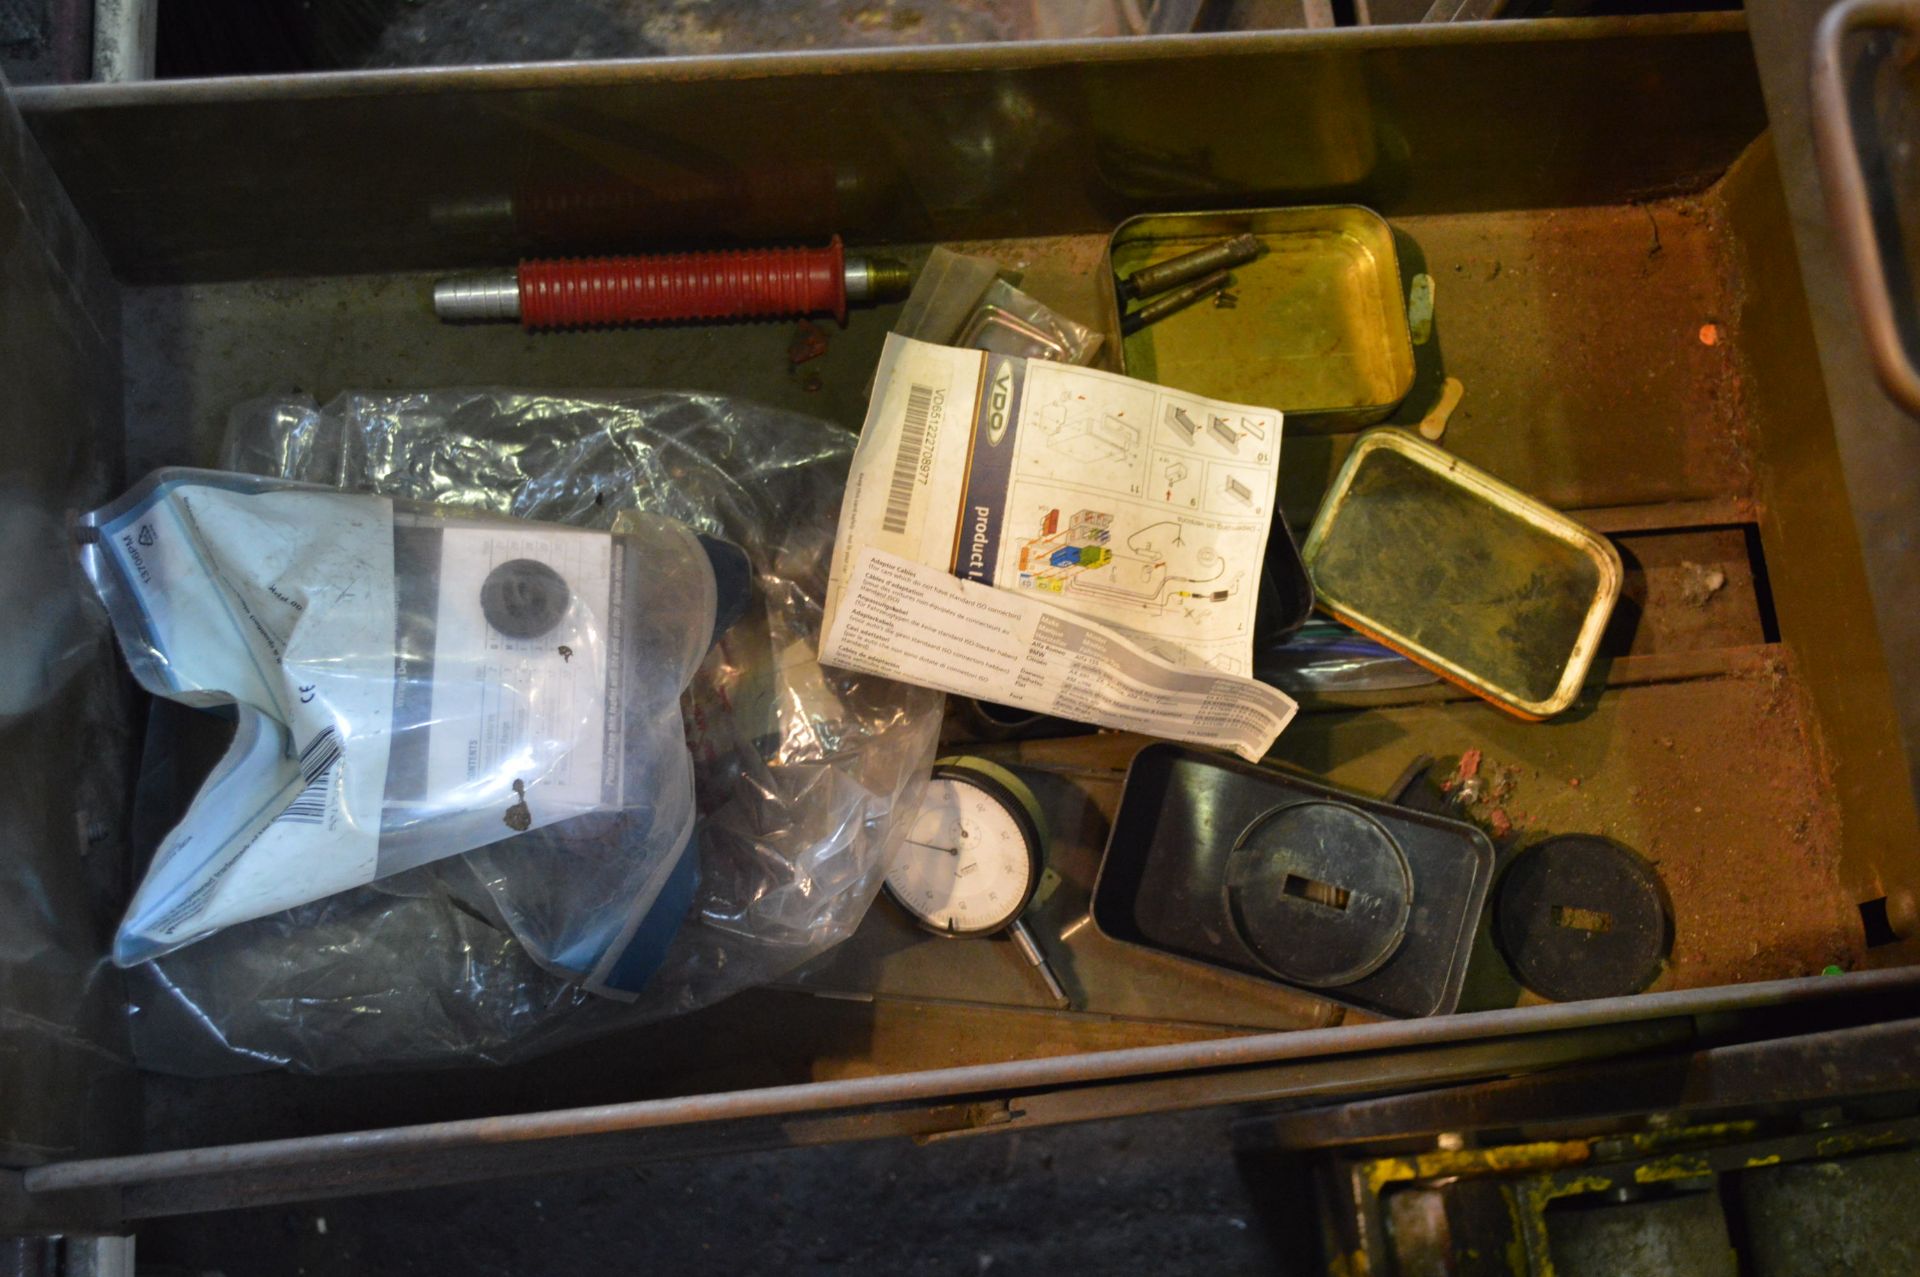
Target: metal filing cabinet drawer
<point>1601,209</point>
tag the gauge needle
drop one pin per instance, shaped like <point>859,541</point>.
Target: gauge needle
<point>951,851</point>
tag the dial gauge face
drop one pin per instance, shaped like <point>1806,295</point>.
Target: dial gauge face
<point>970,861</point>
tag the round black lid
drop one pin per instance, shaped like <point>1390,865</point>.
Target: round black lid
<point>1580,916</point>
<point>1319,893</point>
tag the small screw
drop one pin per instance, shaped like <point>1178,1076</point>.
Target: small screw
<point>92,829</point>
<point>1224,300</point>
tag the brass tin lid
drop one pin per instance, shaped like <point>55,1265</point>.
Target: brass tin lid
<point>1473,579</point>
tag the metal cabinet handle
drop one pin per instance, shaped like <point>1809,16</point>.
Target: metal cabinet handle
<point>1849,205</point>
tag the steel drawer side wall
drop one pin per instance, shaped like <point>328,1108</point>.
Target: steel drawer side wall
<point>1822,567</point>
<point>1877,445</point>
<point>66,1083</point>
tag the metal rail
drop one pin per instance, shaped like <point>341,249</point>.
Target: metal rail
<point>1134,1064</point>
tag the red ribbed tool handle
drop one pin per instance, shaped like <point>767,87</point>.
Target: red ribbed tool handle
<point>751,283</point>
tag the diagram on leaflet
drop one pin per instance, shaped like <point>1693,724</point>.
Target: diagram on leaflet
<point>1176,478</point>
<point>1141,508</point>
<point>1217,432</point>
<point>1236,491</point>
<point>1083,434</point>
<point>1100,444</point>
<point>1162,570</point>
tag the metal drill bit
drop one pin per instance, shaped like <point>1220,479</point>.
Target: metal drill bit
<point>1150,280</point>
<point>1179,299</point>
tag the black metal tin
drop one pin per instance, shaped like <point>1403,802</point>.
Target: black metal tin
<point>1164,881</point>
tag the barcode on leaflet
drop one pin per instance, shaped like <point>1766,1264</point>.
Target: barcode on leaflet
<point>906,462</point>
<point>316,769</point>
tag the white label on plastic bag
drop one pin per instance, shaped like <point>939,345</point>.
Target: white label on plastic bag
<point>382,721</point>
<point>253,597</point>
<point>517,700</point>
<point>920,625</point>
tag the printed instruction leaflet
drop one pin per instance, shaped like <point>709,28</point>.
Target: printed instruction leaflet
<point>1106,536</point>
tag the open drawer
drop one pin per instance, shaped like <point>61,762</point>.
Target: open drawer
<point>1600,209</point>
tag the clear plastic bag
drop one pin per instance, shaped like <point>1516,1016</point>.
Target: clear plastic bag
<point>800,772</point>
<point>1009,322</point>
<point>960,300</point>
<point>1323,657</point>
<point>409,684</point>
<point>945,294</point>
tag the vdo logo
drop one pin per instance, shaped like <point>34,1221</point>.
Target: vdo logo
<point>999,400</point>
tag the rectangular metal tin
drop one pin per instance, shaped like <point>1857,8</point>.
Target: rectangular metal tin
<point>1165,862</point>
<point>1319,328</point>
<point>1454,597</point>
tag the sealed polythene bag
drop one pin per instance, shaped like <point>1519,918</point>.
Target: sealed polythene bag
<point>408,684</point>
<point>804,777</point>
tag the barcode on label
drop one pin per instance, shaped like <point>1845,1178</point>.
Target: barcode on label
<point>316,769</point>
<point>906,462</point>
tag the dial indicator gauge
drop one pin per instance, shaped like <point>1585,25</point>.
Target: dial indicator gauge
<point>972,858</point>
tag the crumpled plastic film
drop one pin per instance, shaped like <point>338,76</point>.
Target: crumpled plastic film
<point>805,777</point>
